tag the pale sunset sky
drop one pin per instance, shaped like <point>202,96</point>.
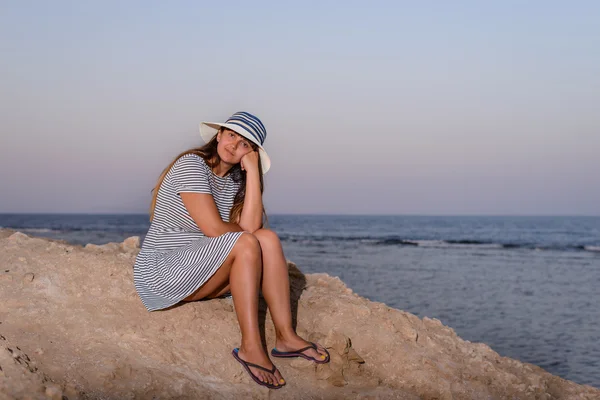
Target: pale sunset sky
<point>396,107</point>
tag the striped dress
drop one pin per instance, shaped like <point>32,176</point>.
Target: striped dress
<point>176,257</point>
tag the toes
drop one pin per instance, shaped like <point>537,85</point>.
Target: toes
<point>318,354</point>
<point>265,377</point>
<point>272,380</point>
<point>279,379</point>
<point>322,351</point>
<point>268,378</point>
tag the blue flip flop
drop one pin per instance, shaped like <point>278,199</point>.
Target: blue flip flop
<point>247,366</point>
<point>300,353</point>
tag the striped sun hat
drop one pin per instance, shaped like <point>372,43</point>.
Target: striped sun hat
<point>247,125</point>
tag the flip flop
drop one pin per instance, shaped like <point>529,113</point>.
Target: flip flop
<point>247,364</point>
<point>299,353</point>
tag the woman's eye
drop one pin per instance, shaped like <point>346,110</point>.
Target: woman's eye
<point>245,145</point>
<point>230,134</point>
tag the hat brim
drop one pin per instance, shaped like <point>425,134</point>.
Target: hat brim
<point>210,129</point>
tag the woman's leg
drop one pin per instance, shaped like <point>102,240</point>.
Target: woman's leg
<point>276,291</point>
<point>242,271</point>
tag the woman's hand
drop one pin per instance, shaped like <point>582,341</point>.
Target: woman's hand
<point>249,162</point>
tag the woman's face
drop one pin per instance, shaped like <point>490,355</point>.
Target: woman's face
<point>232,147</point>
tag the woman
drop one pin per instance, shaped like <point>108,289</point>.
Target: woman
<point>206,239</point>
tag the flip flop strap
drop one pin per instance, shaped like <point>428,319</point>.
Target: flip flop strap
<point>312,346</point>
<point>271,371</point>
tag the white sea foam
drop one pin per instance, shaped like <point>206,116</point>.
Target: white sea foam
<point>443,244</point>
<point>592,248</point>
<point>428,243</point>
<point>37,230</point>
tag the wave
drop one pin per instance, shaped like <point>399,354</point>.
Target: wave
<point>36,230</point>
<point>437,243</point>
<point>394,241</point>
<point>428,243</point>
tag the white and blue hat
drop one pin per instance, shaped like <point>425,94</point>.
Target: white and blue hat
<point>245,124</point>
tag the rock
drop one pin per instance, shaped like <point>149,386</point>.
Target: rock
<point>71,392</point>
<point>85,334</point>
<point>53,392</point>
<point>131,243</point>
<point>5,232</point>
<point>301,363</point>
<point>354,357</point>
<point>108,247</point>
<point>18,238</point>
<point>19,377</point>
<point>28,277</point>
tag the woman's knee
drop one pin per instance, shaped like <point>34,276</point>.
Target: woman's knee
<point>247,245</point>
<point>267,238</point>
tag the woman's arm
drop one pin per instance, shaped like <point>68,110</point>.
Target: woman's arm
<point>203,210</point>
<point>252,213</point>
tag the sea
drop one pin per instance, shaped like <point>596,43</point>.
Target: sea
<point>529,287</point>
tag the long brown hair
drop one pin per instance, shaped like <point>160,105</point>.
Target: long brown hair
<point>210,155</point>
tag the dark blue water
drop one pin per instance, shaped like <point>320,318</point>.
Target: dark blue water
<point>527,286</point>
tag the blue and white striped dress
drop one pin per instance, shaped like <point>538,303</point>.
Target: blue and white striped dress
<point>176,257</point>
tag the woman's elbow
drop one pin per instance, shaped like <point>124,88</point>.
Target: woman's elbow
<point>251,227</point>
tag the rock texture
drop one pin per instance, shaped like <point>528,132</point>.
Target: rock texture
<point>73,327</point>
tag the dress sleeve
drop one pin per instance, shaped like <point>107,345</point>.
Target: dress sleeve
<point>190,174</point>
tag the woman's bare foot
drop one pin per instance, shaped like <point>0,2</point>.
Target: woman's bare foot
<point>257,356</point>
<point>293,342</point>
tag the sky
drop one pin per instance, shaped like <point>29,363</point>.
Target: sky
<point>382,107</point>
